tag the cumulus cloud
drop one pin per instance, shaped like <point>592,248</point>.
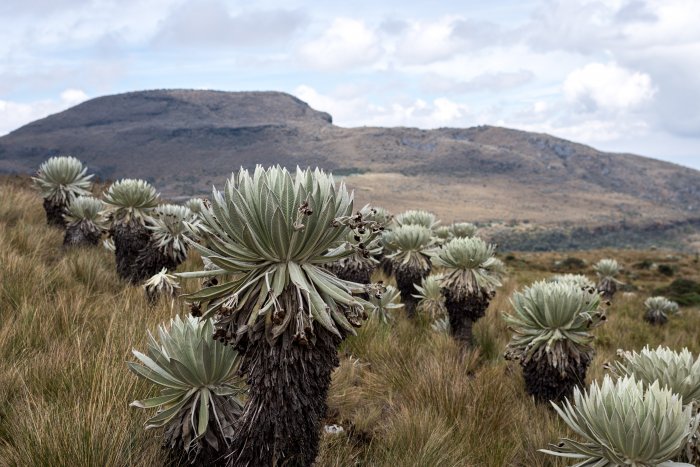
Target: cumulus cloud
<point>608,86</point>
<point>358,110</point>
<point>210,23</point>
<point>73,96</point>
<point>346,43</point>
<point>15,114</point>
<point>656,38</point>
<point>425,42</point>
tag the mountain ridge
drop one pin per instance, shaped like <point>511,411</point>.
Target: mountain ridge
<point>185,141</point>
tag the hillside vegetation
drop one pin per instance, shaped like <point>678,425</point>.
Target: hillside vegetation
<point>404,394</point>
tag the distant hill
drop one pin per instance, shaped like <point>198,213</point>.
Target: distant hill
<point>518,182</point>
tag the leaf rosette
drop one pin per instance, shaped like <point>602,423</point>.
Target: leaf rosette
<point>85,209</point>
<point>130,199</point>
<point>197,376</point>
<point>417,217</point>
<point>268,234</point>
<point>471,269</point>
<point>61,179</point>
<point>553,320</point>
<point>623,423</point>
<point>172,228</point>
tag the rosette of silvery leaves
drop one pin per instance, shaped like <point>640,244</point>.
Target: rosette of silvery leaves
<point>268,234</point>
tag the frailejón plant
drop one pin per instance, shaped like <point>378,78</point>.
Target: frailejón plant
<point>442,234</point>
<point>196,205</point>
<point>171,227</point>
<point>441,325</point>
<point>607,271</point>
<point>472,275</point>
<point>358,266</point>
<point>269,233</point>
<point>551,324</point>
<point>410,245</point>
<point>462,230</point>
<point>579,280</point>
<point>658,309</point>
<point>431,300</point>
<point>60,180</point>
<point>201,395</point>
<point>377,214</point>
<point>161,285</point>
<point>384,304</point>
<point>130,204</point>
<point>678,371</point>
<point>85,222</point>
<point>417,217</point>
<point>622,423</point>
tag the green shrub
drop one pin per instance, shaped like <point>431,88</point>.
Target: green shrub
<point>685,292</point>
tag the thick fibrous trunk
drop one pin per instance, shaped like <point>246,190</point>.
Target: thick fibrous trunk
<point>463,313</point>
<point>54,213</point>
<point>149,262</point>
<point>82,233</point>
<point>129,240</point>
<point>406,278</point>
<point>547,383</point>
<point>607,288</point>
<point>656,319</point>
<point>353,272</point>
<point>154,295</point>
<point>211,449</point>
<point>386,266</point>
<point>288,382</point>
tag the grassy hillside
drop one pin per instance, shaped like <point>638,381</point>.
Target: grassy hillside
<point>403,393</point>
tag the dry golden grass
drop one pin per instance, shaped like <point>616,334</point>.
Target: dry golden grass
<point>403,393</point>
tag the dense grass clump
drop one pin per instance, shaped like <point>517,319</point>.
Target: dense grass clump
<point>404,394</point>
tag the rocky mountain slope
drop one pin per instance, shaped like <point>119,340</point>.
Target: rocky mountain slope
<point>184,141</point>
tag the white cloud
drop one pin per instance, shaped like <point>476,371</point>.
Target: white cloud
<point>358,110</point>
<point>346,43</point>
<point>73,96</point>
<point>608,86</point>
<point>15,114</point>
<point>426,42</point>
<point>447,111</point>
<point>591,131</point>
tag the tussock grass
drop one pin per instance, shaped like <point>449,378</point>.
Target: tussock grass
<point>404,394</point>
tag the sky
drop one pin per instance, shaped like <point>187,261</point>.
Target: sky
<point>620,75</point>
